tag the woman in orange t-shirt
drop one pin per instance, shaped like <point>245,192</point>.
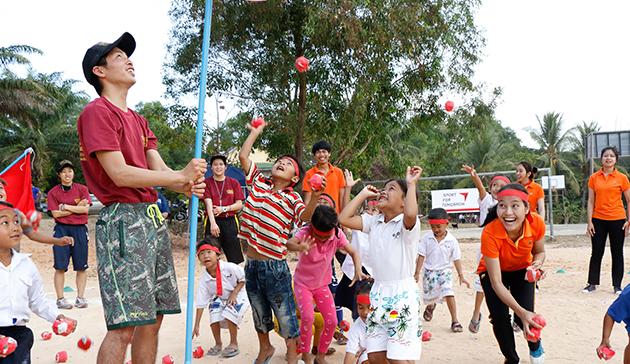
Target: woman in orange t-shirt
<point>511,243</point>
<point>525,174</point>
<point>607,218</point>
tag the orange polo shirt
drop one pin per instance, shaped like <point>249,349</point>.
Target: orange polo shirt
<point>335,181</point>
<point>513,256</point>
<point>535,193</point>
<point>608,192</point>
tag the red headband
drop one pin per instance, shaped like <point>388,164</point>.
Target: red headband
<point>363,298</point>
<point>208,247</point>
<point>322,233</point>
<point>329,199</point>
<point>5,207</point>
<point>373,202</point>
<point>520,194</point>
<point>438,221</point>
<point>219,281</point>
<point>502,178</point>
<point>295,165</point>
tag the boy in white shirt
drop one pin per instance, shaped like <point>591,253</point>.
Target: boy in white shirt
<point>357,336</point>
<point>22,288</point>
<point>435,252</point>
<point>222,290</point>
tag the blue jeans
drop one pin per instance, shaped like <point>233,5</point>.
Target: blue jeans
<point>268,284</point>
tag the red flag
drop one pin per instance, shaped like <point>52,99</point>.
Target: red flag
<point>18,177</point>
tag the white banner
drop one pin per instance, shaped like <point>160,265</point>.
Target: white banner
<point>458,200</point>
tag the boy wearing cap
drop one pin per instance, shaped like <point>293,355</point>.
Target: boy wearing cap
<point>334,176</point>
<point>121,163</point>
<point>69,204</point>
<point>271,209</point>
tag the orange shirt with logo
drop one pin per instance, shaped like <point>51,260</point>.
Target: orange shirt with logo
<point>608,192</point>
<point>335,181</point>
<point>513,256</point>
<point>535,193</point>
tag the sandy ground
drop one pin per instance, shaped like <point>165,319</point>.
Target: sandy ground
<point>573,332</point>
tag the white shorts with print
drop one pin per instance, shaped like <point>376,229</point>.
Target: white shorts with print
<point>393,324</point>
<point>436,285</point>
<point>220,311</point>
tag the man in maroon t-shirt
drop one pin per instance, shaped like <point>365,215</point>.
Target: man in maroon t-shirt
<point>224,198</point>
<point>121,163</point>
<point>69,204</point>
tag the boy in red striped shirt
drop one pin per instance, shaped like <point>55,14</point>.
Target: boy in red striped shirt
<point>270,211</point>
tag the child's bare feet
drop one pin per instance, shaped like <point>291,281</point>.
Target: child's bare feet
<point>320,358</point>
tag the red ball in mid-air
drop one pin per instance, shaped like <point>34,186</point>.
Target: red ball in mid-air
<point>301,64</point>
<point>449,105</point>
<point>84,343</point>
<point>7,345</point>
<point>34,217</point>
<point>344,325</point>
<point>316,182</point>
<point>258,121</point>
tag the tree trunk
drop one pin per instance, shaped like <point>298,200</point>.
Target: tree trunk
<point>299,137</point>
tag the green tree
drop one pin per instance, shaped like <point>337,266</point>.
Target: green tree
<point>553,143</point>
<point>577,138</point>
<point>376,66</point>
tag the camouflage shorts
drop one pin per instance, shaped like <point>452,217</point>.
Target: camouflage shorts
<point>135,265</point>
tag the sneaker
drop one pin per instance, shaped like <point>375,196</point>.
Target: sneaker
<point>63,304</point>
<point>588,289</point>
<point>81,302</point>
<point>538,356</point>
<point>617,290</point>
<point>515,327</point>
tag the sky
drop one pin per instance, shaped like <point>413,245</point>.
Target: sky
<point>569,57</point>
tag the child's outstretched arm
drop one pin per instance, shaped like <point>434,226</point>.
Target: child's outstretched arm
<point>411,203</point>
<point>419,263</point>
<point>458,267</point>
<point>607,327</point>
<point>303,245</point>
<point>198,315</point>
<point>350,182</point>
<point>347,217</point>
<point>45,239</point>
<point>476,180</point>
<point>246,149</point>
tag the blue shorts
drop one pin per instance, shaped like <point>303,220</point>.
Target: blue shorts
<point>268,284</point>
<point>78,252</point>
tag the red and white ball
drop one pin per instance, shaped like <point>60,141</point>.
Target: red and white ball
<point>35,217</point>
<point>316,182</point>
<point>536,332</point>
<point>84,343</point>
<point>257,121</point>
<point>63,327</point>
<point>532,275</point>
<point>344,325</point>
<point>7,345</point>
<point>61,357</point>
<point>198,352</point>
<point>301,64</point>
<point>426,336</point>
<point>46,335</point>
<point>605,353</point>
<point>449,105</point>
<point>167,359</point>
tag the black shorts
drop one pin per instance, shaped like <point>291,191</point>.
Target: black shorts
<point>228,238</point>
<point>78,251</point>
<point>24,337</point>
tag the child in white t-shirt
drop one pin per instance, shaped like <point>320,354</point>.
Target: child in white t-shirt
<point>222,290</point>
<point>486,201</point>
<point>435,252</point>
<point>357,336</point>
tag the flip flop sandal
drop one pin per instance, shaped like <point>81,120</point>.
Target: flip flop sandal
<point>214,351</point>
<point>516,328</point>
<point>456,327</point>
<point>342,340</point>
<point>268,358</point>
<point>229,352</point>
<point>474,326</point>
<point>428,313</point>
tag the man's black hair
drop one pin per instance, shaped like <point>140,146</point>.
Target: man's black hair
<point>322,144</point>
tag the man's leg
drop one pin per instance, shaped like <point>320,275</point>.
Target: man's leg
<point>114,346</point>
<point>145,340</point>
<point>81,282</point>
<point>59,282</point>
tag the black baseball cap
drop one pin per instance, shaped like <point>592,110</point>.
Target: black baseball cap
<point>63,164</point>
<point>218,156</point>
<point>126,43</point>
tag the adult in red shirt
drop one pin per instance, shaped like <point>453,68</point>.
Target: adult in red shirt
<point>335,181</point>
<point>224,198</point>
<point>525,174</point>
<point>512,241</point>
<point>121,163</point>
<point>607,218</point>
<point>69,204</point>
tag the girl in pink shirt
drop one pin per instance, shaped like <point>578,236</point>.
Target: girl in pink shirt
<point>317,243</point>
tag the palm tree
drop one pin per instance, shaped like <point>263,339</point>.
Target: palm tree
<point>578,142</point>
<point>553,143</point>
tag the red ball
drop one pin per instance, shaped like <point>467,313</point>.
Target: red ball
<point>84,343</point>
<point>316,182</point>
<point>449,105</point>
<point>46,335</point>
<point>167,359</point>
<point>257,122</point>
<point>61,357</point>
<point>301,64</point>
<point>129,362</point>
<point>536,332</point>
<point>344,325</point>
<point>34,217</point>
<point>7,345</point>
<point>532,275</point>
<point>426,336</point>
<point>605,353</point>
<point>63,327</point>
<point>198,352</point>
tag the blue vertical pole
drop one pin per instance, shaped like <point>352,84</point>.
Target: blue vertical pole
<point>194,205</point>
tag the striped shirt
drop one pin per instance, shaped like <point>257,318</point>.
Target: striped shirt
<point>268,216</point>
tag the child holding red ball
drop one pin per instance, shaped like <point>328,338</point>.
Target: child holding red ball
<point>22,288</point>
<point>511,242</point>
<point>617,312</point>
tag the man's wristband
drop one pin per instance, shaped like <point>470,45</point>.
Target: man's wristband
<point>63,207</point>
